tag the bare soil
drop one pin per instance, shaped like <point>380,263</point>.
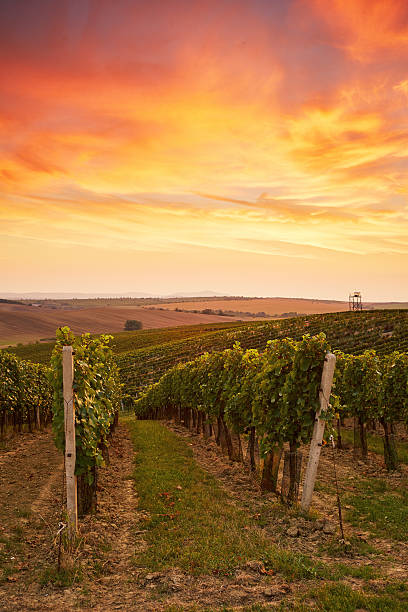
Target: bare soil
<point>20,323</point>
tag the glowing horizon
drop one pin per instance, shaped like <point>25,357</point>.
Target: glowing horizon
<point>249,147</point>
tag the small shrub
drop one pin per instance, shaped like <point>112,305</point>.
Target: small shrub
<point>132,325</point>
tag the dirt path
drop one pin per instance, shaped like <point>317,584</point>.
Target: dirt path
<point>30,485</point>
<point>26,474</point>
<point>28,504</point>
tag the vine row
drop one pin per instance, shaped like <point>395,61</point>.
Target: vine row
<point>25,395</point>
<point>97,397</point>
<point>272,396</point>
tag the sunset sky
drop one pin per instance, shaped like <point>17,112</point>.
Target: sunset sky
<point>250,147</point>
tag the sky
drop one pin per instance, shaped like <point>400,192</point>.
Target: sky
<point>249,147</point>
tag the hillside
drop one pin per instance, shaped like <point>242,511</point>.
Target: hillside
<point>195,506</point>
<point>144,355</point>
<point>274,306</point>
<point>352,332</point>
<point>24,323</point>
<point>27,322</point>
<point>40,352</point>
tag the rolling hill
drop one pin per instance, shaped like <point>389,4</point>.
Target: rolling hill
<point>23,323</point>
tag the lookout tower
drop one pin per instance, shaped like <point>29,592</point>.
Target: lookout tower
<point>355,301</point>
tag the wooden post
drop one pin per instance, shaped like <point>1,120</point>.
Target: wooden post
<point>70,452</point>
<point>318,430</point>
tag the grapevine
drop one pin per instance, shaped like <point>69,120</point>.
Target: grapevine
<point>97,394</point>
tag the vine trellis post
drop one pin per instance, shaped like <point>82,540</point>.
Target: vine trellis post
<point>70,451</point>
<point>318,431</point>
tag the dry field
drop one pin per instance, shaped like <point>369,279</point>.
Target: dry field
<point>25,324</point>
<point>271,306</point>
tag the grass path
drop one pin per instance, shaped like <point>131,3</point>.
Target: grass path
<point>194,523</point>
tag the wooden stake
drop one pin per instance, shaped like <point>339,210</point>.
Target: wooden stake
<point>70,452</point>
<point>318,430</point>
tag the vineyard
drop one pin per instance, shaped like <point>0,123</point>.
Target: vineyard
<point>124,341</point>
<point>220,411</point>
<point>274,395</point>
<point>353,333</point>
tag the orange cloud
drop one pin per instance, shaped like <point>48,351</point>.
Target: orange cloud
<point>366,28</point>
<point>274,129</point>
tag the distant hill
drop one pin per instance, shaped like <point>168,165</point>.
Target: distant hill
<point>60,295</point>
<point>21,323</point>
<point>272,307</point>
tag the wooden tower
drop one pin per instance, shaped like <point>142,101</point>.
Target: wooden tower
<point>355,301</point>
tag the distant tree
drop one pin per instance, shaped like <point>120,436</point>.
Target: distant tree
<point>132,325</point>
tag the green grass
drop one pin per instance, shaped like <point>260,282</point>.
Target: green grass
<point>330,598</point>
<point>6,563</point>
<point>192,523</point>
<point>365,572</point>
<point>342,598</point>
<point>380,508</point>
<point>325,487</point>
<point>357,546</point>
<point>253,608</point>
<point>375,444</point>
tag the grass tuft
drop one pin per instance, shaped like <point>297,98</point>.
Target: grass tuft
<point>63,578</point>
